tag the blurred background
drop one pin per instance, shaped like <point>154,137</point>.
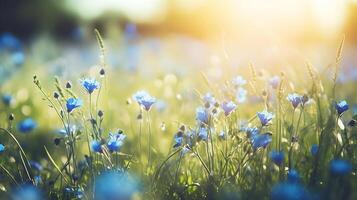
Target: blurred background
<point>243,31</point>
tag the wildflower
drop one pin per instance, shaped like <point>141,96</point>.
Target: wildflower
<point>26,125</point>
<point>116,141</point>
<point>295,99</point>
<point>139,95</point>
<point>340,167</point>
<point>239,81</point>
<point>277,157</point>
<point>274,81</point>
<point>203,134</point>
<point>144,99</point>
<point>73,103</point>
<point>209,99</point>
<point>28,192</point>
<point>6,99</point>
<point>2,148</point>
<point>293,176</point>
<point>265,117</point>
<point>251,131</point>
<point>90,84</point>
<point>147,102</point>
<point>289,191</point>
<point>96,146</point>
<point>178,139</point>
<point>202,115</point>
<point>314,149</point>
<point>228,107</point>
<point>76,193</point>
<point>261,140</point>
<point>115,185</point>
<point>241,95</point>
<point>341,107</point>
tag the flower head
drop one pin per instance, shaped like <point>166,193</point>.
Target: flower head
<point>96,146</point>
<point>208,98</point>
<point>144,99</point>
<point>295,99</point>
<point>314,149</point>
<point>228,107</point>
<point>6,99</point>
<point>260,140</point>
<point>289,191</point>
<point>28,192</point>
<point>178,139</point>
<point>26,125</point>
<point>277,157</point>
<point>2,148</point>
<point>340,167</point>
<point>265,117</point>
<point>341,107</point>
<point>293,176</point>
<point>90,84</point>
<point>251,131</point>
<point>203,134</point>
<point>73,103</point>
<point>116,141</point>
<point>115,185</point>
<point>202,115</point>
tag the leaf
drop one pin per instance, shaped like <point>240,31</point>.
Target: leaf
<point>340,124</point>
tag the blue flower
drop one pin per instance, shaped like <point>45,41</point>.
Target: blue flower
<point>203,134</point>
<point>295,99</point>
<point>289,191</point>
<point>202,115</point>
<point>293,176</point>
<point>340,167</point>
<point>144,99</point>
<point>28,192</point>
<point>73,192</point>
<point>265,117</point>
<point>2,148</point>
<point>228,107</point>
<point>9,41</point>
<point>96,146</point>
<point>90,84</point>
<point>116,141</point>
<point>26,125</point>
<point>18,57</point>
<point>314,149</point>
<point>277,157</point>
<point>209,98</point>
<point>178,139</point>
<point>6,99</point>
<point>251,131</point>
<point>73,103</point>
<point>115,185</point>
<point>260,140</point>
<point>147,102</point>
<point>341,107</point>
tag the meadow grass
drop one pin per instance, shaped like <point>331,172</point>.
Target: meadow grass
<point>110,134</point>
